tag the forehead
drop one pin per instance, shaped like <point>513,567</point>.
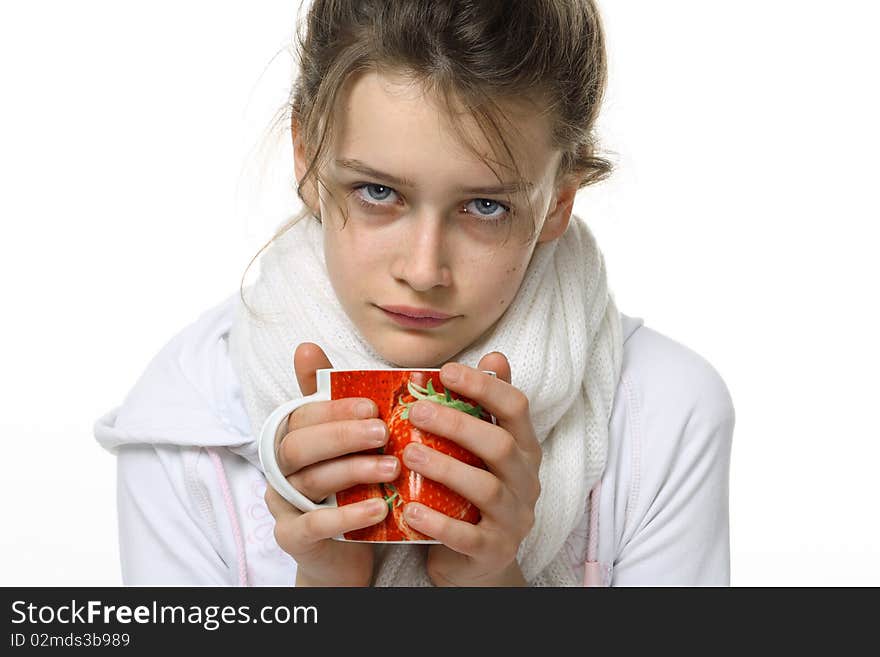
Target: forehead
<point>396,125</point>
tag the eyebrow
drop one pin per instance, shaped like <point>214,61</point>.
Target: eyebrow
<point>361,167</point>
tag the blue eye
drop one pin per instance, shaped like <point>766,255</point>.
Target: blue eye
<point>381,196</point>
<point>372,195</point>
<point>488,204</point>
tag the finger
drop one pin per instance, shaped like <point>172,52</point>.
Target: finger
<point>299,534</point>
<point>483,489</point>
<point>320,480</point>
<point>307,359</point>
<point>304,447</point>
<point>461,536</point>
<point>318,412</point>
<point>328,411</point>
<point>280,508</point>
<point>507,403</point>
<point>493,443</point>
<point>496,362</point>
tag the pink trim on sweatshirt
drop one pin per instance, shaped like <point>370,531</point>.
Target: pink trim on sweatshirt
<point>233,518</point>
<point>595,574</point>
<point>593,536</point>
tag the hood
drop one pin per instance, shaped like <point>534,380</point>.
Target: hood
<point>189,394</point>
<point>629,326</point>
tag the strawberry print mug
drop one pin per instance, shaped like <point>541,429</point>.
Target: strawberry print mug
<point>393,391</point>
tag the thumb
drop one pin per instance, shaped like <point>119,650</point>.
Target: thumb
<point>307,359</point>
<point>496,362</point>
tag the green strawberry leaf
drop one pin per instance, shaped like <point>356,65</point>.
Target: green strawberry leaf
<point>390,498</point>
<point>445,399</point>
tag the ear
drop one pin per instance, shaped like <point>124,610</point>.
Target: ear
<point>556,221</point>
<point>299,167</point>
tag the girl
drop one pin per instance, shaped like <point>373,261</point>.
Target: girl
<point>438,148</point>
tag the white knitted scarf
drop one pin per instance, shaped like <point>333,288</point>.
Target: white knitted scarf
<point>561,334</point>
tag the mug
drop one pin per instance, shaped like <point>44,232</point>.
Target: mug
<point>393,390</point>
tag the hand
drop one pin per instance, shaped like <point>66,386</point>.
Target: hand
<point>316,456</point>
<point>483,554</point>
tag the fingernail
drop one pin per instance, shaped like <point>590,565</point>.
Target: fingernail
<point>364,410</point>
<point>387,465</point>
<point>422,411</point>
<point>413,512</point>
<point>376,432</point>
<point>415,455</point>
<point>377,507</point>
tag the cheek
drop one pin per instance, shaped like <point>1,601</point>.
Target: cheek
<point>497,287</point>
<point>339,267</point>
<point>350,258</point>
<point>512,278</point>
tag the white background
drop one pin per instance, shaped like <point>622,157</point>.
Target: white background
<point>741,222</point>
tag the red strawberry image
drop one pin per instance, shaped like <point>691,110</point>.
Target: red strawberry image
<point>411,486</point>
<point>394,392</point>
<point>358,493</point>
<point>381,387</point>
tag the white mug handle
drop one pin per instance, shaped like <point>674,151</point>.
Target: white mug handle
<point>274,427</point>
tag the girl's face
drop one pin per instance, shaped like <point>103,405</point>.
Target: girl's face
<point>423,231</point>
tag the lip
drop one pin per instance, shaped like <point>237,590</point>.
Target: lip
<point>419,313</point>
<point>419,317</point>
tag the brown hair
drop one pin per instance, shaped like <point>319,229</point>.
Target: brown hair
<point>468,53</point>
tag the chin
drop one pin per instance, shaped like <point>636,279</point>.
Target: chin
<point>415,358</point>
<point>404,362</point>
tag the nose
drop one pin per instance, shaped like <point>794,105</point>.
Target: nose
<point>422,260</point>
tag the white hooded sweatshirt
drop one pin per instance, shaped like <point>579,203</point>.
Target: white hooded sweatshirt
<point>190,493</point>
